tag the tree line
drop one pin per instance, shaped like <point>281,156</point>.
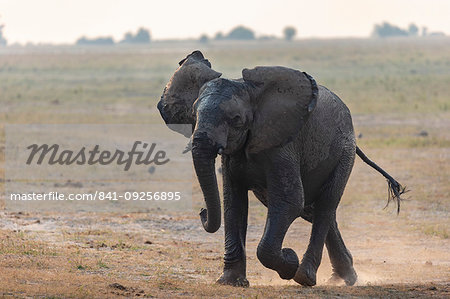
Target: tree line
<point>240,32</point>
<point>244,33</point>
<point>386,29</point>
<point>2,37</point>
<point>142,36</point>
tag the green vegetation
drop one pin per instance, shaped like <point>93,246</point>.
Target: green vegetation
<point>95,41</point>
<point>289,33</point>
<point>374,77</point>
<point>142,36</point>
<point>246,34</point>
<point>241,33</point>
<point>2,38</point>
<point>388,30</point>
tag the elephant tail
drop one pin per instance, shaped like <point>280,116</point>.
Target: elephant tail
<point>395,189</point>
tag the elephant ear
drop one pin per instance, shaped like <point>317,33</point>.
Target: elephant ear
<point>283,98</point>
<point>180,93</point>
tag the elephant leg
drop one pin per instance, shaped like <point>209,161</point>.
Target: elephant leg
<point>235,214</point>
<point>306,272</point>
<point>340,257</point>
<point>269,252</point>
<point>285,203</point>
<point>324,217</point>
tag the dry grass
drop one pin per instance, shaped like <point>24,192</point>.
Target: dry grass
<point>395,89</point>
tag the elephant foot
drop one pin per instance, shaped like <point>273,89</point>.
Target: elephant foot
<point>229,278</point>
<point>305,275</point>
<point>235,282</point>
<point>289,265</point>
<point>349,277</point>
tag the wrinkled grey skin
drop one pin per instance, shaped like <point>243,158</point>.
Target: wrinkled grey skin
<point>281,136</point>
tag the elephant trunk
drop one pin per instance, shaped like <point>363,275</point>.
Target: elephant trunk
<point>204,154</point>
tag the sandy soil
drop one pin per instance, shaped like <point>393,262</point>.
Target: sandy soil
<point>104,255</point>
<point>138,255</point>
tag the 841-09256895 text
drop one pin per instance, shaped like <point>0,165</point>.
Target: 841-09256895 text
<point>99,195</point>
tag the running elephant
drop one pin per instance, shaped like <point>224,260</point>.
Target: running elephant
<point>281,136</point>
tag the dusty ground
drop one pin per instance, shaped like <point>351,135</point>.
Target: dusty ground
<point>166,255</point>
<point>395,92</point>
<point>145,255</point>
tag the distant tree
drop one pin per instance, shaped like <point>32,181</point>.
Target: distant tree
<point>388,30</point>
<point>436,33</point>
<point>218,36</point>
<point>413,30</point>
<point>102,41</point>
<point>424,31</point>
<point>241,33</point>
<point>3,41</point>
<point>141,37</point>
<point>203,39</point>
<point>127,37</point>
<point>289,33</point>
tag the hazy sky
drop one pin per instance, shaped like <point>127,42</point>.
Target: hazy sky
<point>63,21</point>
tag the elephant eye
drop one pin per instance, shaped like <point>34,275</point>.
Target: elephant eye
<point>237,121</point>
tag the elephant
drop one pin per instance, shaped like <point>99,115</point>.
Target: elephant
<point>282,136</point>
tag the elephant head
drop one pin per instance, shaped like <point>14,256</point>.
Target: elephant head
<point>265,109</point>
<point>180,93</point>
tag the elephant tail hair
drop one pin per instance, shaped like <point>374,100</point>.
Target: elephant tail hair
<point>395,189</point>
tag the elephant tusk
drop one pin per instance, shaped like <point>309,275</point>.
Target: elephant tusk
<point>188,147</point>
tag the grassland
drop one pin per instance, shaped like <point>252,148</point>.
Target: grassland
<point>398,92</point>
